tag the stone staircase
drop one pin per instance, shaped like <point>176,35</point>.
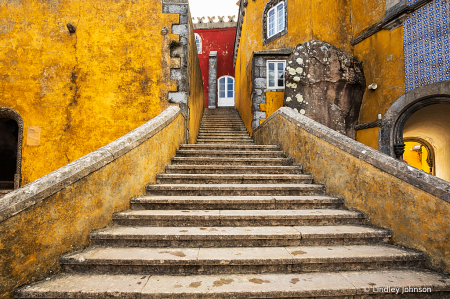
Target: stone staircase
<point>230,219</point>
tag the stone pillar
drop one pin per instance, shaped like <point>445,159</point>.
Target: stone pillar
<point>212,80</point>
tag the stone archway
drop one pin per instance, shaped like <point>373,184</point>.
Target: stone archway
<point>8,113</point>
<point>390,139</point>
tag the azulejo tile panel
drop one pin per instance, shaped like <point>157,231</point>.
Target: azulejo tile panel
<point>426,44</point>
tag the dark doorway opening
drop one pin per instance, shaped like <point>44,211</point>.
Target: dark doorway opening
<point>9,137</point>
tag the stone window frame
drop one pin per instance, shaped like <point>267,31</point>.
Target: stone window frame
<point>269,5</point>
<point>199,43</point>
<point>11,114</point>
<point>259,82</point>
<point>276,88</point>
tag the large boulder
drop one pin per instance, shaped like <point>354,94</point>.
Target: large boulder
<point>325,84</point>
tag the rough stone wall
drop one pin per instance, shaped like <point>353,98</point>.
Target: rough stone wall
<point>412,204</point>
<point>325,84</point>
<point>54,215</point>
<point>259,80</point>
<point>87,88</point>
<point>212,80</point>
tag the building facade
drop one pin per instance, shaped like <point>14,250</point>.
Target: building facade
<point>73,80</point>
<point>215,43</point>
<point>377,71</point>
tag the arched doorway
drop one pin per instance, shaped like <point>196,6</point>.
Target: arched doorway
<point>11,132</point>
<point>226,91</point>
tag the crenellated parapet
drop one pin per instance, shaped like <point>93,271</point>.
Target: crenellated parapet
<point>211,23</point>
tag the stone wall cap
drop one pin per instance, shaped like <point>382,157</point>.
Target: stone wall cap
<point>225,25</point>
<point>418,178</point>
<point>282,51</point>
<point>20,199</point>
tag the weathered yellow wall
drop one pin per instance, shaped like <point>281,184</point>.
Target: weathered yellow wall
<point>196,92</point>
<point>274,101</point>
<point>32,241</point>
<point>383,60</point>
<point>86,89</point>
<point>244,85</point>
<point>417,219</point>
<point>327,20</point>
<point>368,137</point>
<point>417,159</point>
<point>365,13</point>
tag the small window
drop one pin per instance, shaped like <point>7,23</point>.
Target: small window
<point>198,41</point>
<point>275,74</point>
<point>275,20</point>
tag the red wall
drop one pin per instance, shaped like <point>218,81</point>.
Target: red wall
<point>222,41</point>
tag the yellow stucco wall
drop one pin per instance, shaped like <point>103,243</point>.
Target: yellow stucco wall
<point>196,93</point>
<point>417,219</point>
<point>383,60</point>
<point>417,159</point>
<point>86,89</point>
<point>365,13</point>
<point>32,241</point>
<point>274,101</point>
<point>368,137</point>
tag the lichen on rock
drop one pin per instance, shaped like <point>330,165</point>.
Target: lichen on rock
<point>331,80</point>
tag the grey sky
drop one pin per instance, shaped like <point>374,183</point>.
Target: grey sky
<point>204,8</point>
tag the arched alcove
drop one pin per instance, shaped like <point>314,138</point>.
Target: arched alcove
<point>11,135</point>
<point>391,131</point>
<point>431,125</point>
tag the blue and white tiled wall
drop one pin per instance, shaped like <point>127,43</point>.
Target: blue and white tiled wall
<point>427,44</point>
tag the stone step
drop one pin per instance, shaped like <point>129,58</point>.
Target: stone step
<point>210,218</point>
<point>229,169</point>
<point>222,118</point>
<point>208,127</point>
<point>222,121</point>
<point>268,236</point>
<point>223,137</point>
<point>221,131</point>
<point>336,285</point>
<point>235,202</point>
<point>235,189</point>
<point>411,283</point>
<point>237,260</point>
<point>222,124</point>
<point>225,154</point>
<point>232,161</point>
<point>224,141</point>
<point>219,136</point>
<point>229,147</point>
<point>222,134</point>
<point>234,179</point>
